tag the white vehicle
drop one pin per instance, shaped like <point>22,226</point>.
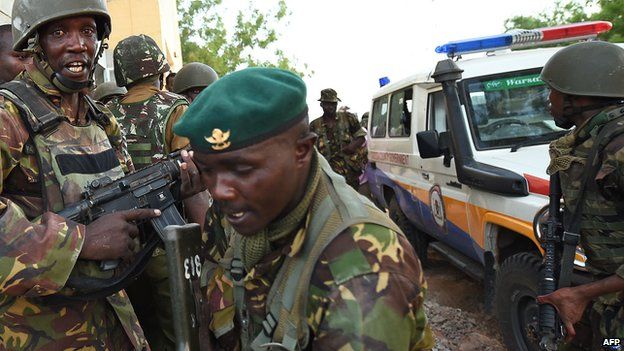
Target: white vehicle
<point>463,169</point>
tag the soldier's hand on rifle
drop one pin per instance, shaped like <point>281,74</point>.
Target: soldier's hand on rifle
<point>191,181</point>
<point>570,305</point>
<point>110,236</point>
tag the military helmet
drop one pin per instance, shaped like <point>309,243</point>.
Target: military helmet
<point>138,57</point>
<point>108,89</point>
<point>593,68</point>
<point>194,75</point>
<point>29,16</point>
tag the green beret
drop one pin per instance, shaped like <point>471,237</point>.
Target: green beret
<point>244,108</point>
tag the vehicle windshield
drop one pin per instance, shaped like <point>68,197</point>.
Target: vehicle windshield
<point>508,109</point>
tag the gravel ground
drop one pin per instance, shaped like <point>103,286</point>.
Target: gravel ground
<point>455,309</point>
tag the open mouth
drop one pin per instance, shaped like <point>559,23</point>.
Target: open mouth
<point>76,67</point>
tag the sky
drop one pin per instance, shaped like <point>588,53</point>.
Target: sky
<point>351,44</point>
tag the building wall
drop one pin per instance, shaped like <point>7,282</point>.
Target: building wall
<point>156,18</point>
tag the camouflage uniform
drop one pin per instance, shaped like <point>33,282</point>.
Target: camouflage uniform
<point>40,249</point>
<point>602,224</point>
<point>366,290</point>
<point>332,140</point>
<point>146,113</point>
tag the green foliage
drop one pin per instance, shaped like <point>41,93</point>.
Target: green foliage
<point>207,38</point>
<point>572,11</point>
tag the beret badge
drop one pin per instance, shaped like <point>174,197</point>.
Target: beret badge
<point>219,139</point>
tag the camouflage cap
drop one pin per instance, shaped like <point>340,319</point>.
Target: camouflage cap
<point>138,57</point>
<point>107,89</point>
<point>329,95</point>
<point>244,108</point>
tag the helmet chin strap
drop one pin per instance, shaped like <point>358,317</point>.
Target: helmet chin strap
<point>63,83</point>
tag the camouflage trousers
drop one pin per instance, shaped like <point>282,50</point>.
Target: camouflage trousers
<point>151,299</point>
<point>599,322</point>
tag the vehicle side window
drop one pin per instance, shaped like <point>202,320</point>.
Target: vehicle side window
<point>437,112</point>
<point>380,115</point>
<point>401,113</point>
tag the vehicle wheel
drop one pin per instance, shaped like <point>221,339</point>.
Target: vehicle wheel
<point>516,308</point>
<point>417,238</point>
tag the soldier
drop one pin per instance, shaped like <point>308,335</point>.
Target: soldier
<point>170,80</point>
<point>310,264</point>
<point>591,99</point>
<point>146,113</point>
<point>11,62</point>
<point>340,139</point>
<point>192,79</point>
<point>106,91</point>
<point>54,140</point>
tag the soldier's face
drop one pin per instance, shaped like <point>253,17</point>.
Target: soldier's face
<point>556,102</point>
<point>192,93</point>
<point>69,46</point>
<point>256,185</point>
<point>329,107</point>
<point>11,62</point>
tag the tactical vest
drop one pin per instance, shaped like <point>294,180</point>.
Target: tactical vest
<point>597,212</point>
<point>145,124</point>
<point>285,324</point>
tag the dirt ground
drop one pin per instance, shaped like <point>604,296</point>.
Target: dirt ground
<point>456,311</point>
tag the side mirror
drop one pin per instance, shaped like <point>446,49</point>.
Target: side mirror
<point>429,144</point>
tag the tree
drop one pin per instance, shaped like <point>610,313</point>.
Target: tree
<point>576,11</point>
<point>206,38</point>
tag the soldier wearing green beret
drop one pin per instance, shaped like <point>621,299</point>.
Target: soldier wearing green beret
<point>304,261</point>
<point>340,139</point>
<point>590,157</point>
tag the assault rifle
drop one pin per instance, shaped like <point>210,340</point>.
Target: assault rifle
<point>151,187</point>
<point>154,187</point>
<point>559,250</point>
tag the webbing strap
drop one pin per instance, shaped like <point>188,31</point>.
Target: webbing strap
<point>43,116</point>
<point>571,236</point>
<point>287,300</point>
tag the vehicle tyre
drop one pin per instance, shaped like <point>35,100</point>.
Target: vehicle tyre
<point>418,239</point>
<point>516,308</point>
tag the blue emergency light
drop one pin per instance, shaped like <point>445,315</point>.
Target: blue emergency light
<point>522,37</point>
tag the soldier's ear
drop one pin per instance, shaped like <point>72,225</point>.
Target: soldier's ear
<point>304,148</point>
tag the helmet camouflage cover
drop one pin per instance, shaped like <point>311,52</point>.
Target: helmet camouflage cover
<point>138,57</point>
<point>194,75</point>
<point>593,68</point>
<point>30,15</point>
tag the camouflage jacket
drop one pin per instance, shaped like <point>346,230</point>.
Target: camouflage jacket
<point>147,116</point>
<point>366,292</point>
<point>40,250</point>
<point>602,221</point>
<point>332,140</point>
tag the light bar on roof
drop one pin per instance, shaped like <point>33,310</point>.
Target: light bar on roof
<point>523,37</point>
